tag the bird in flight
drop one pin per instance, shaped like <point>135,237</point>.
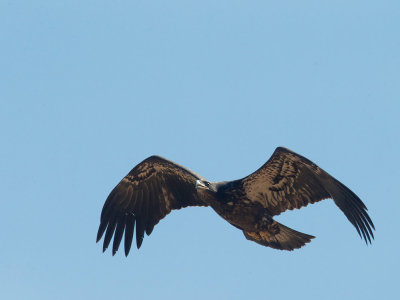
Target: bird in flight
<point>286,181</point>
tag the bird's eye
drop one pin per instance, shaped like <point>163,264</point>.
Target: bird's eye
<point>207,184</point>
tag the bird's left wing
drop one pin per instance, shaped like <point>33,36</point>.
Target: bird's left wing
<point>288,180</point>
<point>143,197</point>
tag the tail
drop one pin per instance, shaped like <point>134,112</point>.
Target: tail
<point>283,238</point>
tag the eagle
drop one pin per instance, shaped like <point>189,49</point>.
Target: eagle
<point>156,186</point>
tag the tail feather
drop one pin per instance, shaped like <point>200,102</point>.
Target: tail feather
<point>284,239</point>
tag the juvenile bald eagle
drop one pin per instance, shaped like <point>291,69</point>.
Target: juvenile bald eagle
<point>286,181</point>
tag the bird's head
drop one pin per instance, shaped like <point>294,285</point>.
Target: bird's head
<point>204,185</point>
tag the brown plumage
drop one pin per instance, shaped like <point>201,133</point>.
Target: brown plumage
<point>286,181</point>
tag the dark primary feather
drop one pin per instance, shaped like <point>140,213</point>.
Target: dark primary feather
<point>288,180</point>
<point>143,197</point>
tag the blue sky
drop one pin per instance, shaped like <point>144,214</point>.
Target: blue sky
<point>88,89</point>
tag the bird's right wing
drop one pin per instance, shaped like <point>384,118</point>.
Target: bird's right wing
<point>288,180</point>
<point>143,197</point>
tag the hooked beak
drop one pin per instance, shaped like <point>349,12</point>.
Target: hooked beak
<point>200,185</point>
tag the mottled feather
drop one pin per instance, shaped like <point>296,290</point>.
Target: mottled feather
<point>288,181</point>
<point>143,197</point>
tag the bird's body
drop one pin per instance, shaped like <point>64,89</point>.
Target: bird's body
<point>286,181</point>
<point>238,211</point>
<point>251,216</point>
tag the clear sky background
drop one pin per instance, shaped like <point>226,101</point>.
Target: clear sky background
<point>88,89</point>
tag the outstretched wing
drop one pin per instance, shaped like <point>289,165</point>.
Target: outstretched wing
<point>143,197</point>
<point>288,180</point>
